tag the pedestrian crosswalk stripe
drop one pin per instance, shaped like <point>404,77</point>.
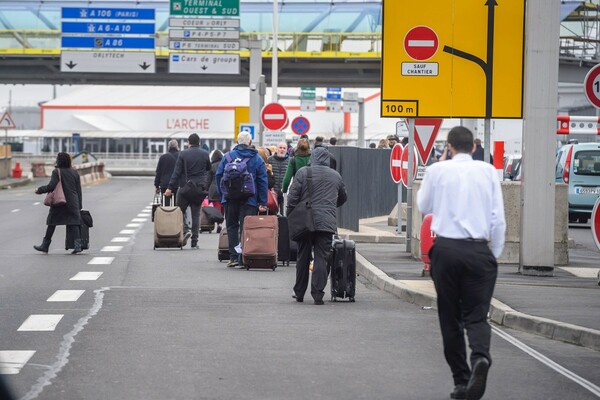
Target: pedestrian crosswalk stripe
<point>120,239</point>
<point>134,225</point>
<point>40,322</point>
<point>86,276</point>
<point>143,215</point>
<point>11,361</point>
<point>139,220</point>
<point>127,232</point>
<point>66,295</point>
<point>101,260</point>
<point>112,248</point>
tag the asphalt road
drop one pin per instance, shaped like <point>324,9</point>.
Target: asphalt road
<point>177,324</point>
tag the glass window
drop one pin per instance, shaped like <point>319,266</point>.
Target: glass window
<point>587,162</point>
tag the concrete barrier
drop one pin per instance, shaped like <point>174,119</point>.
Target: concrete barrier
<point>90,172</point>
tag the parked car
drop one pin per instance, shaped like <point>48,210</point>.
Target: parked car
<point>578,165</point>
<point>511,162</point>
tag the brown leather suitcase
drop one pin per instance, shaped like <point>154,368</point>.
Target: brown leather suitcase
<point>259,241</point>
<point>168,227</point>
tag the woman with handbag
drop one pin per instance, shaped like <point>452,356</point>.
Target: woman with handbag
<point>64,210</point>
<point>272,204</point>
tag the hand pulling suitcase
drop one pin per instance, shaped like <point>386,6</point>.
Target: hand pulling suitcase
<point>259,241</point>
<point>168,227</point>
<point>283,241</point>
<point>206,225</point>
<point>223,245</point>
<point>343,269</point>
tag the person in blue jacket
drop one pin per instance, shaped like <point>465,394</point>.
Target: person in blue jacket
<point>237,209</point>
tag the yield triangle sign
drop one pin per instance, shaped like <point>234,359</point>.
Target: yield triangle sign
<point>426,130</point>
<point>6,122</point>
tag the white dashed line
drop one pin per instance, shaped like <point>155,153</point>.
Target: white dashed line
<point>40,322</point>
<point>66,295</point>
<point>133,225</point>
<point>86,276</point>
<point>112,248</point>
<point>127,232</point>
<point>120,239</point>
<point>11,361</point>
<point>37,203</point>
<point>139,220</point>
<point>144,215</point>
<point>101,261</point>
<point>16,210</point>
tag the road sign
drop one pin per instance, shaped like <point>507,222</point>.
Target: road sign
<point>109,28</point>
<point>204,22</point>
<point>223,8</point>
<point>274,116</point>
<point>273,138</point>
<point>252,129</point>
<point>596,224</point>
<point>333,94</point>
<point>216,34</point>
<point>308,105</point>
<point>474,70</point>
<point>106,42</point>
<point>6,122</point>
<point>396,162</point>
<point>108,13</point>
<point>421,43</point>
<point>300,125</point>
<point>308,93</point>
<point>426,130</point>
<point>114,61</point>
<point>222,64</point>
<point>404,166</point>
<point>592,86</point>
<point>198,45</point>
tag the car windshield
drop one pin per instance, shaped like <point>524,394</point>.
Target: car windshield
<point>587,162</point>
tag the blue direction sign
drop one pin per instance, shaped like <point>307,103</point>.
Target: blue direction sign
<point>108,13</point>
<point>70,42</point>
<point>105,27</point>
<point>334,94</point>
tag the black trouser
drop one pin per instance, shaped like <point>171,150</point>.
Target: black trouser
<point>321,242</point>
<point>280,203</point>
<point>74,229</point>
<point>235,212</point>
<point>464,273</point>
<point>184,203</point>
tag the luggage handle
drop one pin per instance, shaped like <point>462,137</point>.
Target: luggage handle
<point>162,201</point>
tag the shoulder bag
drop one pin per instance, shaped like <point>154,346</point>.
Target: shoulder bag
<point>301,220</point>
<point>190,191</point>
<point>56,197</point>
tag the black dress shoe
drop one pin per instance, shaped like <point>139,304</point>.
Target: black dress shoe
<point>298,299</point>
<point>319,302</point>
<point>460,392</point>
<point>476,385</point>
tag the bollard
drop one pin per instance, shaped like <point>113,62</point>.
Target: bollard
<point>17,171</point>
<point>427,238</point>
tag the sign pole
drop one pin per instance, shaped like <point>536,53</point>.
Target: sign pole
<point>274,70</point>
<point>409,196</point>
<point>6,152</point>
<point>486,140</point>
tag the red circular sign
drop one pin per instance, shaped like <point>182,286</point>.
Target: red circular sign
<point>396,163</point>
<point>404,166</point>
<point>592,86</point>
<point>300,125</point>
<point>273,116</point>
<point>596,223</point>
<point>421,43</point>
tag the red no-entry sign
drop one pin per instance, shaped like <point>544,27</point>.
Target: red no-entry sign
<point>592,86</point>
<point>396,162</point>
<point>273,116</point>
<point>404,166</point>
<point>421,43</point>
<point>596,223</point>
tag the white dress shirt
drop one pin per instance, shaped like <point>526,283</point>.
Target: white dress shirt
<point>465,199</point>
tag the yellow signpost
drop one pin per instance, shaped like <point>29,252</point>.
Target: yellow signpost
<point>242,116</point>
<point>453,59</point>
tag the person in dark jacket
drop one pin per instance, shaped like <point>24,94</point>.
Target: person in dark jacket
<point>237,209</point>
<point>478,153</point>
<point>68,214</point>
<point>211,184</point>
<point>319,143</point>
<point>164,170</point>
<point>192,164</point>
<point>328,193</point>
<point>279,161</point>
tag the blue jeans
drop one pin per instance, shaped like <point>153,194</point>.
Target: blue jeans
<point>235,212</point>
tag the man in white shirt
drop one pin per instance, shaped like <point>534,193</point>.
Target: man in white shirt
<point>465,199</point>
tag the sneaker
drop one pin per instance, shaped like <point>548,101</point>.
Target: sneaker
<point>186,237</point>
<point>194,245</point>
<point>232,263</point>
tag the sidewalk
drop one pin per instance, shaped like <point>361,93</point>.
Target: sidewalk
<point>564,307</point>
<point>9,183</point>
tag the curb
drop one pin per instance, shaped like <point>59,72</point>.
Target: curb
<point>21,182</point>
<point>371,238</point>
<point>500,313</point>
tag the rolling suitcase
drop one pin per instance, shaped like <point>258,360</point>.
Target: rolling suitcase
<point>213,214</point>
<point>259,241</point>
<point>168,227</point>
<point>283,241</point>
<point>84,232</point>
<point>343,269</point>
<point>223,245</point>
<point>206,225</point>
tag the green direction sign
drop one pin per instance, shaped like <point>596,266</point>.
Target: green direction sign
<point>308,93</point>
<point>217,8</point>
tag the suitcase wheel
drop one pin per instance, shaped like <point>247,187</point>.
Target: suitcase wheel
<point>274,266</point>
<point>247,268</point>
<point>352,300</point>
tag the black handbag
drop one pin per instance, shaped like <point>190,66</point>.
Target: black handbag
<point>190,191</point>
<point>301,220</point>
<point>86,218</point>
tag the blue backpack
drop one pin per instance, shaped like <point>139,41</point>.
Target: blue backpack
<point>237,181</point>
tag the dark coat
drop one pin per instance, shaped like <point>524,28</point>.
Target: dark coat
<point>478,153</point>
<point>165,168</point>
<point>332,160</point>
<point>198,165</point>
<point>211,181</point>
<point>328,194</point>
<point>69,213</point>
<point>279,167</point>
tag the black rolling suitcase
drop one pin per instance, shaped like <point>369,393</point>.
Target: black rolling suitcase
<point>343,269</point>
<point>284,244</point>
<point>84,231</point>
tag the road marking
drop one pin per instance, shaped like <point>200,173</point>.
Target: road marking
<point>582,272</point>
<point>147,209</point>
<point>143,215</point>
<point>86,276</point>
<point>133,225</point>
<point>66,295</point>
<point>16,210</point>
<point>127,232</point>
<point>101,261</point>
<point>37,203</point>
<point>139,220</point>
<point>11,361</point>
<point>548,362</point>
<point>120,239</point>
<point>40,322</point>
<point>112,248</point>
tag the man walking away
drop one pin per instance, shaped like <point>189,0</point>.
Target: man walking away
<point>333,141</point>
<point>319,143</point>
<point>279,161</point>
<point>328,193</point>
<point>193,164</point>
<point>165,168</point>
<point>465,199</point>
<point>242,183</point>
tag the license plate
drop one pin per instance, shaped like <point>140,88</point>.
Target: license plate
<point>587,190</point>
